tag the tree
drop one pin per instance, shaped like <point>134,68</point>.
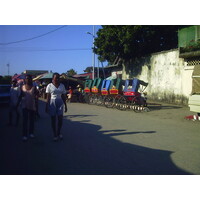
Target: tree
<point>128,42</point>
<point>5,79</point>
<point>71,72</point>
<point>88,69</point>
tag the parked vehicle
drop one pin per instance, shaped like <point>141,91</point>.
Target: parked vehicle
<point>87,90</point>
<point>112,92</point>
<point>132,98</point>
<point>117,93</point>
<point>4,94</point>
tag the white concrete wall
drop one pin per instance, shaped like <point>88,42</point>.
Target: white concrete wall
<point>169,78</point>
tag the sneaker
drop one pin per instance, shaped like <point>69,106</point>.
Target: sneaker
<point>32,136</point>
<point>24,138</point>
<point>55,139</point>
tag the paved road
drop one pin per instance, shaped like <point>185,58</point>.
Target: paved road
<point>99,140</point>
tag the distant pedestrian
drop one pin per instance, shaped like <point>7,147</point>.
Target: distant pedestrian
<point>56,103</point>
<point>14,95</point>
<point>79,93</point>
<point>28,97</point>
<point>69,95</point>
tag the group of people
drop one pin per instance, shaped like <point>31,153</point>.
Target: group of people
<point>27,96</point>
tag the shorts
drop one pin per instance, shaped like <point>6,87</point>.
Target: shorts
<point>56,107</point>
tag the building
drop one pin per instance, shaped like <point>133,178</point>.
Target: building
<point>35,72</point>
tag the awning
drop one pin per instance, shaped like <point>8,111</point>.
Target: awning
<point>47,76</point>
<point>38,77</point>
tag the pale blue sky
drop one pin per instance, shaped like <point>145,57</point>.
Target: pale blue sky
<point>39,54</point>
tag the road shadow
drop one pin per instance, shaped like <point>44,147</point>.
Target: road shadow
<point>117,133</point>
<point>158,106</point>
<point>85,150</point>
<point>78,116</point>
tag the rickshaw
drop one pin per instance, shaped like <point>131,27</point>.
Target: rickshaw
<point>87,90</point>
<point>104,91</point>
<point>114,93</point>
<point>132,99</point>
<point>95,91</point>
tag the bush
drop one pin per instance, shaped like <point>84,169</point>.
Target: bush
<point>192,46</point>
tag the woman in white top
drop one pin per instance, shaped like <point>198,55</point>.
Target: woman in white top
<point>56,101</point>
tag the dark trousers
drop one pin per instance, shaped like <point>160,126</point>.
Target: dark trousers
<point>28,121</point>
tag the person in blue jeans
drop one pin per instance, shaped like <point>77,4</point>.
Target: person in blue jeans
<point>56,104</point>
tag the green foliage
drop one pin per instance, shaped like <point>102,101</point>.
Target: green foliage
<point>192,46</point>
<point>5,79</point>
<point>133,41</point>
<point>71,72</point>
<point>88,70</point>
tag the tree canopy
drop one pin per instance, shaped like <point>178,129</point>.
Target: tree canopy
<point>71,72</point>
<point>88,69</point>
<point>131,41</point>
<point>5,79</point>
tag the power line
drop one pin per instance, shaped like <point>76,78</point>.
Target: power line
<point>35,50</point>
<point>19,41</point>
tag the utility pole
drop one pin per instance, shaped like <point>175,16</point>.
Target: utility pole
<point>93,59</point>
<point>8,65</point>
<point>98,69</point>
<point>93,52</point>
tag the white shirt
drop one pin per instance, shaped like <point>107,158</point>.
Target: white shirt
<point>54,91</point>
<point>14,95</point>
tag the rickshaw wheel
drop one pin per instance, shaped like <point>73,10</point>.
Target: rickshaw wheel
<point>109,101</point>
<point>135,106</point>
<point>115,101</point>
<point>95,99</point>
<point>99,100</point>
<point>122,103</point>
<point>91,99</point>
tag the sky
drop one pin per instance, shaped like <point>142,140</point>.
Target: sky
<point>68,47</point>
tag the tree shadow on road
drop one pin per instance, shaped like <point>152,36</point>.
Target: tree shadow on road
<point>117,133</point>
<point>91,151</point>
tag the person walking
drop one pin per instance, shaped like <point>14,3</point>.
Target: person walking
<point>27,98</point>
<point>14,95</point>
<point>56,102</point>
<point>69,95</point>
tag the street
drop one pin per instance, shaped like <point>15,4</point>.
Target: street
<point>103,141</point>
